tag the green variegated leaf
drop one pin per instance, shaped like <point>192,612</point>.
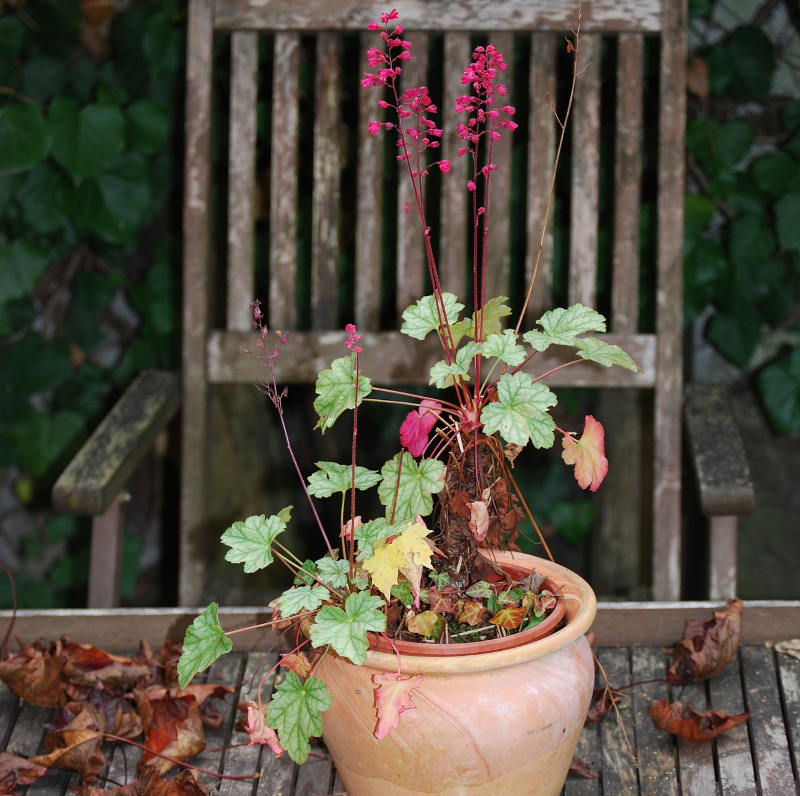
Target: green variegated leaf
<point>336,391</point>
<point>505,347</point>
<point>251,541</point>
<point>494,310</point>
<point>418,482</point>
<point>333,572</point>
<point>302,598</point>
<point>423,317</point>
<point>521,412</point>
<point>368,534</point>
<point>205,641</point>
<point>346,629</point>
<point>332,478</point>
<point>562,326</point>
<point>295,713</point>
<point>604,353</point>
<point>443,375</point>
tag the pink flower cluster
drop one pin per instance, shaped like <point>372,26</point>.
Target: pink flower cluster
<point>352,341</point>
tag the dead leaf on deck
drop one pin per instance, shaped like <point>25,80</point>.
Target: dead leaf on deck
<point>74,742</point>
<point>707,647</point>
<point>119,712</point>
<point>172,726</point>
<point>34,674</point>
<point>789,647</point>
<point>603,701</point>
<point>17,770</point>
<point>151,784</point>
<point>682,720</point>
<point>577,768</point>
<point>84,664</point>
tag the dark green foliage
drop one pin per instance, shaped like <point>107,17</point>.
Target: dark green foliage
<point>85,169</point>
<point>742,258</point>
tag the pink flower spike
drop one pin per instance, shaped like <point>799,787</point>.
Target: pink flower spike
<point>417,426</point>
<point>444,166</point>
<point>471,185</point>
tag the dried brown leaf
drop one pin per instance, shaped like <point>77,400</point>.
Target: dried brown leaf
<point>680,718</point>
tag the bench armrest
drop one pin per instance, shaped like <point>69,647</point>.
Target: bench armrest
<point>107,459</point>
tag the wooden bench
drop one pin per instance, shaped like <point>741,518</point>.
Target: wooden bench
<point>301,192</point>
<point>759,758</point>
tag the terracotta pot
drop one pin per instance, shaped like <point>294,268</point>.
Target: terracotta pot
<point>502,722</point>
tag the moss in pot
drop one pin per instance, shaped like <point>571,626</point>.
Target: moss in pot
<point>439,571</point>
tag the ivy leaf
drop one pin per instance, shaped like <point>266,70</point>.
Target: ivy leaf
<point>521,414</point>
<point>443,375</point>
<point>302,598</point>
<point>423,317</point>
<point>332,478</point>
<point>779,383</point>
<point>509,617</point>
<point>605,354</point>
<point>787,211</point>
<point>470,612</point>
<point>24,137</point>
<point>505,347</point>
<point>295,712</point>
<point>346,629</point>
<point>393,697</point>
<point>251,541</point>
<point>205,641</point>
<point>562,326</point>
<point>333,572</point>
<point>427,623</point>
<point>587,454</point>
<point>414,485</point>
<point>336,391</point>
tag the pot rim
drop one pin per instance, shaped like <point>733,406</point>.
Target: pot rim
<point>580,604</point>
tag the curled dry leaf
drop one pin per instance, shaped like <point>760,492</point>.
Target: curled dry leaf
<point>34,674</point>
<point>682,720</point>
<point>85,665</point>
<point>789,647</point>
<point>16,770</point>
<point>150,784</point>
<point>257,729</point>
<point>707,647</point>
<point>577,768</point>
<point>603,701</point>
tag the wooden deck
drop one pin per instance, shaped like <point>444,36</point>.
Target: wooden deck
<point>631,757</point>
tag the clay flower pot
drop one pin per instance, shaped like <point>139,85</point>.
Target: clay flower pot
<point>498,722</point>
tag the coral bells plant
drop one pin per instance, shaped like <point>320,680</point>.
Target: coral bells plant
<point>423,571</point>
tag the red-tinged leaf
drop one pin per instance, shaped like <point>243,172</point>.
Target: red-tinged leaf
<point>470,613</point>
<point>172,727</point>
<point>427,624</point>
<point>85,665</point>
<point>680,719</point>
<point>393,697</point>
<point>441,603</point>
<point>603,701</point>
<point>16,770</point>
<point>77,746</point>
<point>298,663</point>
<point>577,768</point>
<point>587,454</point>
<point>255,725</point>
<point>707,647</point>
<point>509,617</point>
<point>34,674</point>
<point>417,426</point>
<point>120,715</point>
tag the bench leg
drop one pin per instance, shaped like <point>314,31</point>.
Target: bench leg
<point>723,552</point>
<point>105,567</point>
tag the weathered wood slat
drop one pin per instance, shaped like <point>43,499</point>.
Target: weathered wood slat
<point>444,15</point>
<point>242,178</point>
<point>789,682</point>
<point>326,190</point>
<point>656,750</point>
<point>284,178</point>
<point>401,359</point>
<point>733,750</point>
<point>695,758</point>
<point>773,759</point>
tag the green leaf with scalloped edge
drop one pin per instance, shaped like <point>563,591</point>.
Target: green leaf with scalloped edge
<point>345,629</point>
<point>444,375</point>
<point>562,326</point>
<point>521,412</point>
<point>418,482</point>
<point>251,540</point>
<point>205,641</point>
<point>504,346</point>
<point>332,478</point>
<point>336,391</point>
<point>368,534</point>
<point>302,598</point>
<point>334,572</point>
<point>423,317</point>
<point>605,354</point>
<point>295,713</point>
